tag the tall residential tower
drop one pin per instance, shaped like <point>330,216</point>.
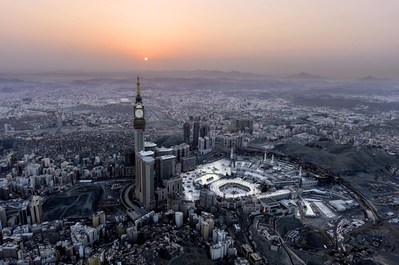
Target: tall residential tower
<point>186,130</point>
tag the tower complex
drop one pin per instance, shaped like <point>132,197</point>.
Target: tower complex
<point>144,190</point>
<point>156,176</point>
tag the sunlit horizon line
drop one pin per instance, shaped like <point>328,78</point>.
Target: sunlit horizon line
<point>143,73</point>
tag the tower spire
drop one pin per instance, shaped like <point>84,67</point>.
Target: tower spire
<point>138,97</point>
<point>138,86</point>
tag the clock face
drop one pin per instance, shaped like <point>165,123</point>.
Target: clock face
<point>139,113</point>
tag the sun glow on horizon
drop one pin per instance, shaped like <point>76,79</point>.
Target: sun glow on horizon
<point>273,36</point>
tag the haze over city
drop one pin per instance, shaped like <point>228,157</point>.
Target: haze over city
<point>199,132</point>
<point>328,38</point>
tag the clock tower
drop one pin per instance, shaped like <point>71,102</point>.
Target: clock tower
<point>139,121</point>
<point>144,190</point>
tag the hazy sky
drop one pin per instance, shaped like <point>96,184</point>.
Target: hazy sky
<point>326,37</point>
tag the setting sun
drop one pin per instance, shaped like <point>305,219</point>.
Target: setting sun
<point>274,37</point>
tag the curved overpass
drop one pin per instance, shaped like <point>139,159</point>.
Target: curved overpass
<point>124,196</point>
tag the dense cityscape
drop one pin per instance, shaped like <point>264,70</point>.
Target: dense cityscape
<point>199,132</point>
<point>200,167</point>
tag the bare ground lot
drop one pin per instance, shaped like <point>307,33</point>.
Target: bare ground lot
<point>77,202</point>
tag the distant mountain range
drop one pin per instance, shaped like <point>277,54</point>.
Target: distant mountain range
<point>11,80</point>
<point>203,74</point>
<point>371,78</point>
<point>85,78</point>
<point>304,75</point>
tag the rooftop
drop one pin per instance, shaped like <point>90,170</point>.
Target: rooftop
<point>146,153</point>
<point>165,157</point>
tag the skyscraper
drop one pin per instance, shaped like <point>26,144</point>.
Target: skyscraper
<point>196,133</point>
<point>244,125</point>
<point>3,217</point>
<point>144,190</point>
<point>166,166</point>
<point>186,129</point>
<point>204,130</point>
<point>36,211</point>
